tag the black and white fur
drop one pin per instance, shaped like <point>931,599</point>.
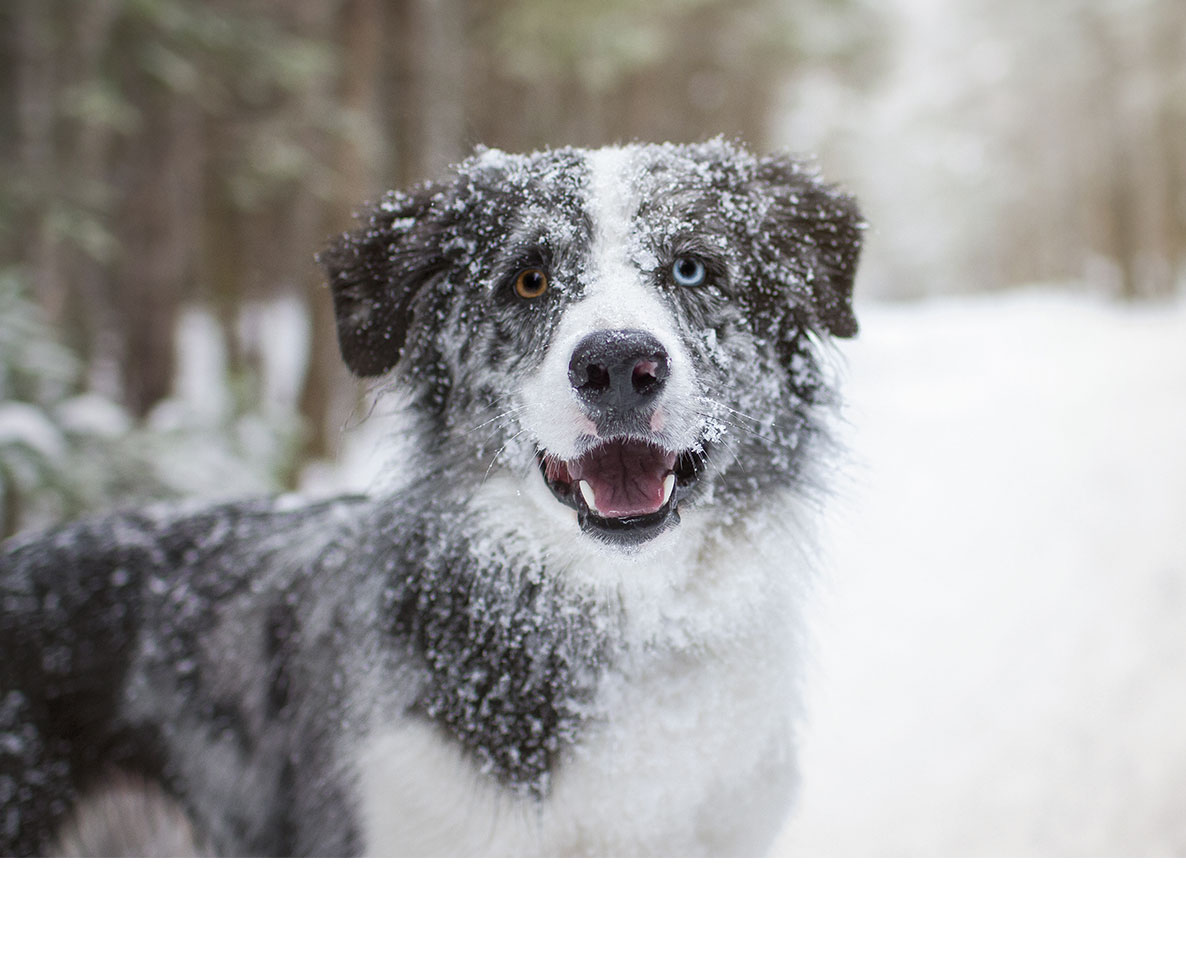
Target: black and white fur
<point>573,625</point>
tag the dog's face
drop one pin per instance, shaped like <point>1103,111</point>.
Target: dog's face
<point>627,332</point>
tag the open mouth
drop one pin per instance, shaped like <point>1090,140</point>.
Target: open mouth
<point>624,491</point>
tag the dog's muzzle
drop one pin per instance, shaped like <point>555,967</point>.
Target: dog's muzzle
<point>626,487</point>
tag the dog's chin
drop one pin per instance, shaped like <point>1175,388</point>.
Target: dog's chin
<point>626,492</point>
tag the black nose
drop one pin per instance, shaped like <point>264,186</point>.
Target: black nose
<point>618,371</point>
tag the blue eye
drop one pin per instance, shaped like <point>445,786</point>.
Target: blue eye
<point>688,271</point>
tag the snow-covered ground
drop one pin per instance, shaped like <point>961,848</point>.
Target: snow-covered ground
<point>1001,666</point>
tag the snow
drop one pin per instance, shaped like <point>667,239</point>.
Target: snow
<point>274,332</point>
<point>93,415</point>
<point>201,389</point>
<point>277,332</point>
<point>1001,665</point>
<point>26,425</point>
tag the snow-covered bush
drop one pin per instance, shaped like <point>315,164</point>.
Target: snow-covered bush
<point>64,453</point>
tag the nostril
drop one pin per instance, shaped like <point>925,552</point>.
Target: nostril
<point>596,378</point>
<point>649,374</point>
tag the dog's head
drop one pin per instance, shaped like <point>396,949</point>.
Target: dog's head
<point>629,332</point>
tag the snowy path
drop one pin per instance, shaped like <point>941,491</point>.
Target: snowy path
<point>1002,645</point>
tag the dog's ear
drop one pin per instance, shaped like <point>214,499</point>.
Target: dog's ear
<point>815,223</point>
<point>380,271</point>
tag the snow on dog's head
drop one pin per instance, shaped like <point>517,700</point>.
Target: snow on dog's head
<point>627,333</point>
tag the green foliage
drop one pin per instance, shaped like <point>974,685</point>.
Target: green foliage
<point>33,368</point>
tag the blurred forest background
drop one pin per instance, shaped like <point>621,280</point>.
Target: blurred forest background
<point>168,168</point>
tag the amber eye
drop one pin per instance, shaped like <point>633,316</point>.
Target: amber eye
<point>531,283</point>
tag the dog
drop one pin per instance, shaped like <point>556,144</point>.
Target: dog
<point>571,621</point>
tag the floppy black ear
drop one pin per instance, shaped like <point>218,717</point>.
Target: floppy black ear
<point>819,225</point>
<point>378,274</point>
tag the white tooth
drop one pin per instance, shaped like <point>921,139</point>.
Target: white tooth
<point>587,492</point>
<point>668,486</point>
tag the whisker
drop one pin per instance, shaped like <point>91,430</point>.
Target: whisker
<point>721,406</point>
<point>509,412</point>
<point>496,430</point>
<point>718,406</point>
<point>355,419</point>
<point>752,427</point>
<point>720,470</point>
<point>498,453</point>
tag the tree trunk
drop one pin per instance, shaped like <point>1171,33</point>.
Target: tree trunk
<point>157,249</point>
<point>439,61</point>
<point>326,398</point>
<point>36,85</point>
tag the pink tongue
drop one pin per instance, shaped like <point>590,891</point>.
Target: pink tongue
<point>626,477</point>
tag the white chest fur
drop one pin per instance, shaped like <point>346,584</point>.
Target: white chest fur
<point>689,750</point>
